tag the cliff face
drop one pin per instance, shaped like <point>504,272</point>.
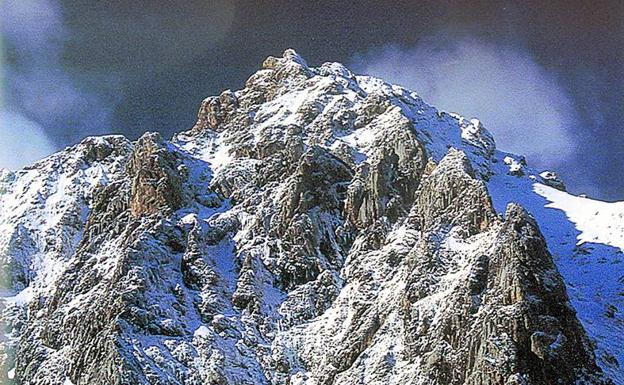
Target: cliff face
<point>315,227</point>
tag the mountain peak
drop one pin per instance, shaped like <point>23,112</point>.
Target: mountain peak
<point>313,227</point>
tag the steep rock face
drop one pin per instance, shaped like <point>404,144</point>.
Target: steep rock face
<point>44,210</point>
<point>316,189</point>
<point>315,227</point>
<point>509,320</point>
<point>386,183</point>
<point>450,193</point>
<point>44,206</point>
<point>479,304</point>
<point>156,177</point>
<point>546,338</point>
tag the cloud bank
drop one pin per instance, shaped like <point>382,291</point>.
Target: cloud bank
<point>526,109</point>
<point>21,141</point>
<point>42,107</point>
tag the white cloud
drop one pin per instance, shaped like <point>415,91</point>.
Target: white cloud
<point>22,141</point>
<point>33,25</point>
<point>525,108</point>
<point>40,101</point>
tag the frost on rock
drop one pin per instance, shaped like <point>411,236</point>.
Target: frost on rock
<point>314,227</point>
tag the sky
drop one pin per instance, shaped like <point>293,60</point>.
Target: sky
<point>546,77</point>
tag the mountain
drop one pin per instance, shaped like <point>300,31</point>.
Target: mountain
<point>313,228</point>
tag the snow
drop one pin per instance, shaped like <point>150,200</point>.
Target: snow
<point>601,222</point>
<point>514,165</point>
<point>202,332</point>
<point>360,138</point>
<point>371,84</point>
<point>211,150</point>
<point>21,298</point>
<point>189,219</point>
<point>220,158</point>
<point>222,255</point>
<point>282,110</point>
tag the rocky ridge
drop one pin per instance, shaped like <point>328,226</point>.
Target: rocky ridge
<point>315,227</point>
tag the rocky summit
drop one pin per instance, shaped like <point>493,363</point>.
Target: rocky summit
<point>313,228</point>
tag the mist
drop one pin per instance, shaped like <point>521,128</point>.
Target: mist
<point>42,106</point>
<point>22,141</point>
<point>525,108</point>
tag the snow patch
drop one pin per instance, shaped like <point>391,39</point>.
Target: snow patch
<point>202,332</point>
<point>597,221</point>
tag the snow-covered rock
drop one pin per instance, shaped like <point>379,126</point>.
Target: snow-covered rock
<point>550,178</point>
<point>314,227</point>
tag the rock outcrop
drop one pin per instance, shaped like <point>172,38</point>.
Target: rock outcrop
<point>550,178</point>
<point>385,184</point>
<point>157,177</point>
<point>451,195</point>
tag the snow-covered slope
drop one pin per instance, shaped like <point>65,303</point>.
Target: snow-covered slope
<point>315,227</point>
<point>586,238</point>
<point>44,208</point>
<point>593,266</point>
<point>596,221</point>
